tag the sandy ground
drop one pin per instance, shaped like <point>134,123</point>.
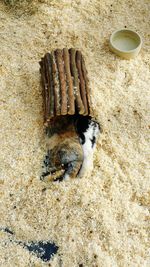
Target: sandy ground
<point>100,220</point>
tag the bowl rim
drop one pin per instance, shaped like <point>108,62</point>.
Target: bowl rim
<point>125,30</point>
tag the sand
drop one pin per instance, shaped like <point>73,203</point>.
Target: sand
<point>101,220</point>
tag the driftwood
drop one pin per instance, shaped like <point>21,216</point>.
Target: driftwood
<point>65,84</point>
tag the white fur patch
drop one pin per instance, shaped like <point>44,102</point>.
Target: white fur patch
<point>88,148</point>
<point>66,177</point>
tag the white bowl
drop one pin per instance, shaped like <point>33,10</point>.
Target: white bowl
<point>125,43</point>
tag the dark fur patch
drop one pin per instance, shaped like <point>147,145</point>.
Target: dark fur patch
<point>93,140</point>
<point>82,125</point>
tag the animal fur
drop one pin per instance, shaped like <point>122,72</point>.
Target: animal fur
<point>88,131</point>
<point>71,144</point>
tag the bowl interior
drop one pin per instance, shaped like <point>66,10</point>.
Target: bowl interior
<point>125,40</point>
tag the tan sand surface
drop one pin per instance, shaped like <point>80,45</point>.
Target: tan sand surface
<point>101,220</point>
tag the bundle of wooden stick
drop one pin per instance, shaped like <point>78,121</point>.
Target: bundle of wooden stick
<point>65,84</point>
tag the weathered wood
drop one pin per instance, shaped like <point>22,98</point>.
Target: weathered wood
<point>81,82</point>
<point>57,94</point>
<point>45,90</point>
<point>87,88</point>
<point>78,100</point>
<point>62,80</point>
<point>71,98</point>
<point>48,71</point>
<point>65,84</point>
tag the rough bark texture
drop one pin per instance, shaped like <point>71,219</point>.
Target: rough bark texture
<point>48,68</point>
<point>65,84</point>
<point>86,84</point>
<point>62,80</point>
<point>45,89</point>
<point>82,82</point>
<point>78,100</point>
<point>56,86</point>
<point>71,104</point>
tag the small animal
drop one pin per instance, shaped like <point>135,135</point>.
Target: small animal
<point>71,143</point>
<point>65,155</point>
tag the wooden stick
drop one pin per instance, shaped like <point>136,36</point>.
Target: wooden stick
<point>84,71</point>
<point>62,80</point>
<point>79,104</point>
<point>71,98</point>
<point>48,69</point>
<point>45,90</point>
<point>56,85</point>
<point>82,82</point>
<point>43,87</point>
